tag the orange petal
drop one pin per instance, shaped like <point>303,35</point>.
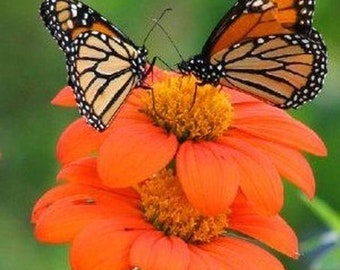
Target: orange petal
<point>275,125</point>
<point>53,195</point>
<point>63,219</point>
<point>82,171</point>
<point>66,218</point>
<point>154,251</point>
<point>64,97</point>
<point>106,244</point>
<point>238,97</point>
<point>201,259</point>
<point>238,254</point>
<point>260,181</point>
<point>246,112</point>
<point>133,153</point>
<point>62,192</point>
<point>244,219</point>
<point>208,178</point>
<point>289,162</point>
<point>78,140</point>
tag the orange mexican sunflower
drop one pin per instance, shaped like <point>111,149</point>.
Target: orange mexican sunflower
<point>154,226</point>
<point>217,139</point>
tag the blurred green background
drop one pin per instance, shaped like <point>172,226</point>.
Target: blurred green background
<point>32,71</point>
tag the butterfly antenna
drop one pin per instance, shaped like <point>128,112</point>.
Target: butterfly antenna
<point>156,22</point>
<point>169,38</point>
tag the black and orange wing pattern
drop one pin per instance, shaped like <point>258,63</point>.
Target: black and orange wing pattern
<point>103,64</point>
<point>267,48</point>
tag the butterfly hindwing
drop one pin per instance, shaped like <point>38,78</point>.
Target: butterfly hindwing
<point>286,69</point>
<point>101,72</point>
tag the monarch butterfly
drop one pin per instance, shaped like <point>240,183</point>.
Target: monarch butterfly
<point>103,64</point>
<point>266,48</point>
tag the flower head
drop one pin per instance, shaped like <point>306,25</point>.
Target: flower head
<point>217,139</point>
<point>154,227</point>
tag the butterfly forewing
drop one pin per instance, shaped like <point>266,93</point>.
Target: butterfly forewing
<point>296,15</point>
<point>103,64</point>
<point>66,19</point>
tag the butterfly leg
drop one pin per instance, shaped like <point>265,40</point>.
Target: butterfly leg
<point>148,87</point>
<point>154,106</point>
<point>197,85</point>
<point>153,63</point>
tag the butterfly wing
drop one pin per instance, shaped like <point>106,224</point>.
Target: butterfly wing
<point>103,64</point>
<point>67,19</point>
<point>102,74</point>
<point>296,15</point>
<point>269,49</point>
<point>249,19</point>
<point>286,70</point>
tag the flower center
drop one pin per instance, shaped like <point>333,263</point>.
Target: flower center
<point>188,110</point>
<point>166,207</point>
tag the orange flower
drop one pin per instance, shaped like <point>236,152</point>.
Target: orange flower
<point>154,228</point>
<point>218,141</point>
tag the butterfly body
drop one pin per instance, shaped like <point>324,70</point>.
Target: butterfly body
<point>103,65</point>
<point>206,72</point>
<point>266,48</point>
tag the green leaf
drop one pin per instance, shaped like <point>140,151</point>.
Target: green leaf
<point>328,215</point>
